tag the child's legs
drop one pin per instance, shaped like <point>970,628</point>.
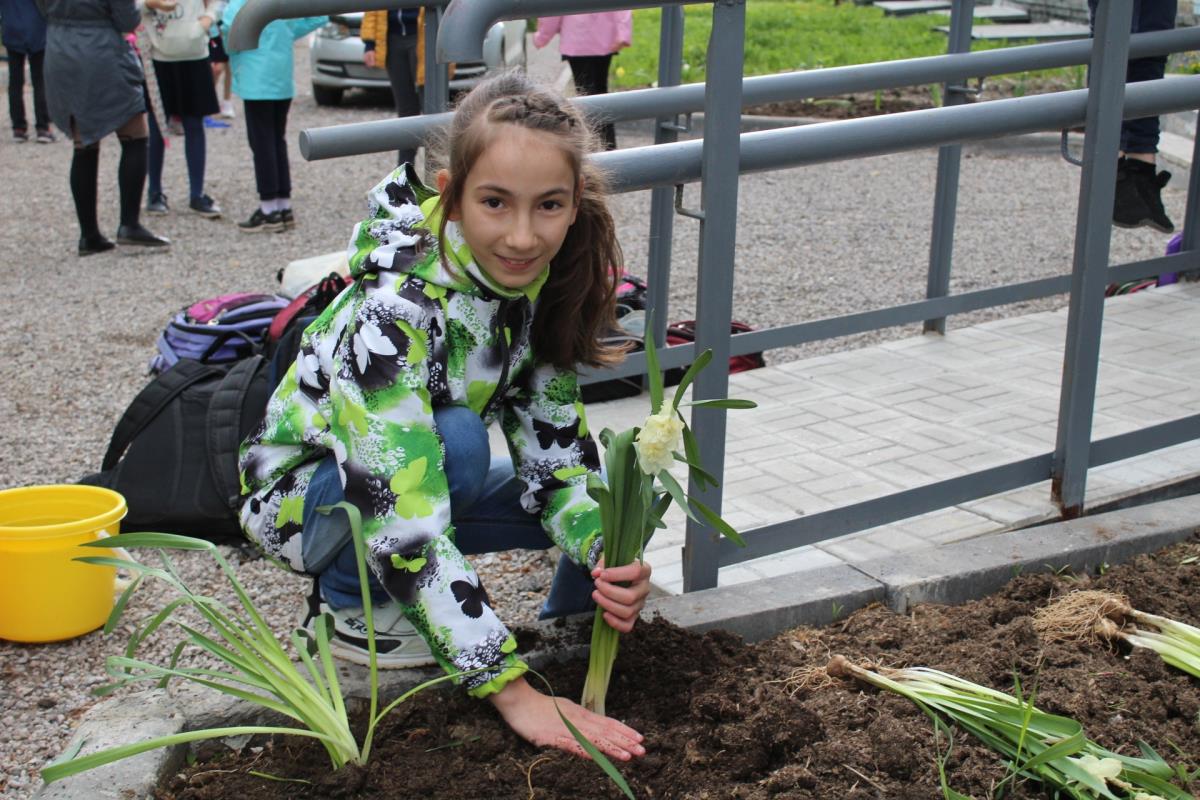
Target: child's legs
<point>281,154</point>
<point>259,132</point>
<point>16,91</point>
<point>41,112</point>
<point>155,153</point>
<point>193,153</point>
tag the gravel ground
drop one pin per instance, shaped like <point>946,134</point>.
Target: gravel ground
<point>78,332</point>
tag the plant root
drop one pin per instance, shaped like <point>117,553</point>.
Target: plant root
<point>1084,616</point>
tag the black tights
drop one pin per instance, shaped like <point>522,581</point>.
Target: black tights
<point>131,178</point>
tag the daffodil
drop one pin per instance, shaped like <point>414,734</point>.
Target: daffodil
<point>657,442</point>
<point>1102,769</point>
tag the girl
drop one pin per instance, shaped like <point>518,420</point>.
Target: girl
<point>178,40</point>
<point>470,305</point>
<point>94,88</point>
<point>262,77</point>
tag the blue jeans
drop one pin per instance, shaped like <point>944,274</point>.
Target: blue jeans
<point>485,509</point>
<point>1141,135</point>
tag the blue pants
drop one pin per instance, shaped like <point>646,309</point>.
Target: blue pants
<point>485,509</point>
<point>1141,135</point>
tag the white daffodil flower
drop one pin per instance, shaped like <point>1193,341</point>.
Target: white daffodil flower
<point>660,436</point>
<point>1102,769</point>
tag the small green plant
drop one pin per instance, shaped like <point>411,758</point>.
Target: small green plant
<point>878,100</point>
<point>256,665</point>
<point>639,490</point>
<point>836,610</point>
<point>935,92</point>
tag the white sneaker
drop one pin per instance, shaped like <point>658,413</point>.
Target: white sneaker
<point>227,109</point>
<point>397,642</point>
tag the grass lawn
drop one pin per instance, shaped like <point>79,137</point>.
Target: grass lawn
<point>789,35</point>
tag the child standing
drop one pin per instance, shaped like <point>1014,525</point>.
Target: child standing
<point>178,38</point>
<point>471,305</point>
<point>263,79</point>
<point>23,32</point>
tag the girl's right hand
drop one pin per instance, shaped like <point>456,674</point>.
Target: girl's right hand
<point>533,717</point>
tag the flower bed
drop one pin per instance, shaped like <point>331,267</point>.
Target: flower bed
<point>721,721</point>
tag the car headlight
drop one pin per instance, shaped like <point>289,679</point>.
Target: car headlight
<point>333,30</point>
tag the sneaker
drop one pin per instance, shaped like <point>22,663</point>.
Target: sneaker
<point>397,642</point>
<point>156,205</point>
<point>138,236</point>
<point>288,218</point>
<point>175,126</point>
<point>205,207</point>
<point>21,135</point>
<point>260,222</point>
<point>46,137</point>
<point>227,109</point>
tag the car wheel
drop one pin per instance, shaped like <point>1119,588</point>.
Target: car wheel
<point>327,95</point>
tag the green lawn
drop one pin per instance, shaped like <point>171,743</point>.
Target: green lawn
<point>789,35</point>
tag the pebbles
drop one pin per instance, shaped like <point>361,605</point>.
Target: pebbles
<point>78,333</point>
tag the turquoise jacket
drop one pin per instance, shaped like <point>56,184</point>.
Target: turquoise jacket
<point>266,73</point>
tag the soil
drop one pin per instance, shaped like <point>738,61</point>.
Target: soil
<point>721,721</point>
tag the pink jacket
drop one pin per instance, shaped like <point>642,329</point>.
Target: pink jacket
<point>598,34</point>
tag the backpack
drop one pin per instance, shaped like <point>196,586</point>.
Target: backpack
<point>218,330</point>
<point>174,453</point>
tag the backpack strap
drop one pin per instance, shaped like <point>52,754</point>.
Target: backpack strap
<point>224,423</point>
<point>149,402</point>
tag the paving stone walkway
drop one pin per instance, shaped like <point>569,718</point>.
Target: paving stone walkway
<point>847,427</point>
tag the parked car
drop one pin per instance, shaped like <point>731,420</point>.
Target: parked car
<point>336,58</point>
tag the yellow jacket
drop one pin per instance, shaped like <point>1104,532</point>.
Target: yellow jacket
<point>374,29</point>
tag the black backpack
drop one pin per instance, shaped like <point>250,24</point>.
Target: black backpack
<point>173,455</point>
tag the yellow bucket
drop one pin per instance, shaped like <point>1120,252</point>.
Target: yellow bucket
<point>44,595</point>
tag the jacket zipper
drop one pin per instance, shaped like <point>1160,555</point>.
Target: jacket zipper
<point>501,385</point>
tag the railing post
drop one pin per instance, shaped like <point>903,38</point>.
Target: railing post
<point>714,300</point>
<point>1191,214</point>
<point>1093,228</point>
<point>945,199</point>
<point>662,209</point>
<point>437,76</point>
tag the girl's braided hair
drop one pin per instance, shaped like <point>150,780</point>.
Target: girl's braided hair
<point>577,304</point>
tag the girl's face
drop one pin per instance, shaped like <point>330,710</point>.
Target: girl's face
<point>518,201</point>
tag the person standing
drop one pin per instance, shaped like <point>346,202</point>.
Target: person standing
<point>588,42</point>
<point>94,88</point>
<point>178,40</point>
<point>23,32</point>
<point>1138,200</point>
<point>390,41</point>
<point>262,77</point>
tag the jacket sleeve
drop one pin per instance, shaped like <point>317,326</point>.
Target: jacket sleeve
<point>126,15</point>
<point>374,28</point>
<point>547,28</point>
<point>553,452</point>
<point>305,25</point>
<point>391,455</point>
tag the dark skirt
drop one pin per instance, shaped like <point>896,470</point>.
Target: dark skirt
<point>187,88</point>
<point>216,51</point>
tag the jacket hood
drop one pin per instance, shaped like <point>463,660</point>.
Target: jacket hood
<point>400,236</point>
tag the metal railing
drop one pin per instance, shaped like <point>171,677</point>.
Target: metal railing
<point>724,153</point>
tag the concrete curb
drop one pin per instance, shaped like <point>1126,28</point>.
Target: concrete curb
<point>754,611</point>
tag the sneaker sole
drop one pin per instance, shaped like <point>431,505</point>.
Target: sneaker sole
<point>262,229</point>
<point>155,212</point>
<point>206,214</point>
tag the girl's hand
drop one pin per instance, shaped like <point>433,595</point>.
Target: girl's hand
<point>205,22</point>
<point>621,603</point>
<point>532,716</point>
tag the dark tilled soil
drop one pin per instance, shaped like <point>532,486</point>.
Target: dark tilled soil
<point>720,721</point>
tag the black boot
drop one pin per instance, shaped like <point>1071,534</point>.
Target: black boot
<point>1129,208</point>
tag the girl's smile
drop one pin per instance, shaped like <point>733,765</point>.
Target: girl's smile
<point>518,201</point>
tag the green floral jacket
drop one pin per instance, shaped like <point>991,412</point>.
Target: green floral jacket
<point>407,337</point>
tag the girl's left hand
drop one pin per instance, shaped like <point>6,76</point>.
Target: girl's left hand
<point>621,604</point>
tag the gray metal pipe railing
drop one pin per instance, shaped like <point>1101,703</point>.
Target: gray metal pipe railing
<point>467,23</point>
<point>661,165</point>
<point>257,14</point>
<point>391,134</point>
